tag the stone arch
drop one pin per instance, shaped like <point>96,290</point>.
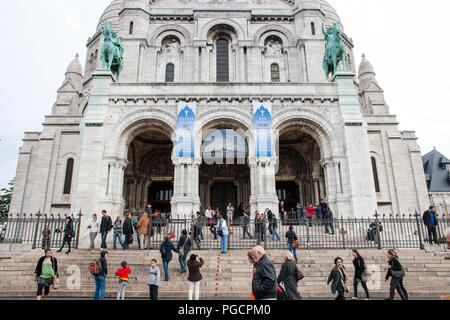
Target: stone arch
<point>180,32</point>
<point>273,30</point>
<point>227,22</point>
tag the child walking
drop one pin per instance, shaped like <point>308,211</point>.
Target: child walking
<point>123,280</point>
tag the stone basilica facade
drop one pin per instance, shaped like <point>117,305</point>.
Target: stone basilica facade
<point>110,144</point>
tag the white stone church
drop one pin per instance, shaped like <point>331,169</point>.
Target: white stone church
<point>112,143</point>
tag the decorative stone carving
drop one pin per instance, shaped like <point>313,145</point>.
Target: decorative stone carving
<point>274,48</point>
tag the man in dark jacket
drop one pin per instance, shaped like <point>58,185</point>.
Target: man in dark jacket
<point>127,231</point>
<point>430,220</point>
<point>185,244</point>
<point>100,279</point>
<point>105,227</point>
<point>264,283</point>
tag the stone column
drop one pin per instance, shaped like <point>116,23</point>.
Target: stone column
<point>186,200</point>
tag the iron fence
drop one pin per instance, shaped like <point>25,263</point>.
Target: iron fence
<point>29,229</point>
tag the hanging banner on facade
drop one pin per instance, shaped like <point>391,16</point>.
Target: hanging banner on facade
<point>262,122</point>
<point>186,129</point>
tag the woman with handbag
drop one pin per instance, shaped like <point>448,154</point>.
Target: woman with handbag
<point>396,272</point>
<point>361,274</point>
<point>288,275</point>
<point>69,233</point>
<point>46,274</point>
<point>338,279</point>
<point>184,246</point>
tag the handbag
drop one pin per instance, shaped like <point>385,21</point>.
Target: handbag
<point>181,251</point>
<point>366,276</point>
<point>56,283</point>
<point>398,274</point>
<point>296,244</point>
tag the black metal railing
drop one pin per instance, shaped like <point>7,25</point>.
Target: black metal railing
<point>29,229</point>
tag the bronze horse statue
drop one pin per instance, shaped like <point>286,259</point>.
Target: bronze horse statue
<point>335,50</point>
<point>112,51</point>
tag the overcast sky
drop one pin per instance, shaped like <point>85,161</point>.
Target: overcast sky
<point>405,40</point>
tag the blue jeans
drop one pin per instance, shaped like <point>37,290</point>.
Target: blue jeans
<point>245,231</point>
<point>270,228</point>
<point>329,224</point>
<point>166,270</point>
<point>275,233</point>
<point>197,242</point>
<point>104,235</point>
<point>182,260</point>
<point>118,236</point>
<point>355,288</point>
<point>99,288</point>
<point>223,241</point>
<point>292,250</point>
<point>310,221</point>
<point>138,239</point>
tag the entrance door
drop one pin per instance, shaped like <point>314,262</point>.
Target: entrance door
<point>160,194</point>
<point>288,192</point>
<point>223,193</point>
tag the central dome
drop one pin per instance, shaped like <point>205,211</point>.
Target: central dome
<point>331,15</point>
<point>111,14</point>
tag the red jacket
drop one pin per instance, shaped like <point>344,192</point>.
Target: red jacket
<point>310,211</point>
<point>123,273</point>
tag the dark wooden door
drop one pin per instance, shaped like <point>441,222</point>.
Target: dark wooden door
<point>223,193</point>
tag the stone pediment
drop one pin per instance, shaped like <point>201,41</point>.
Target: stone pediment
<point>373,86</point>
<point>68,86</point>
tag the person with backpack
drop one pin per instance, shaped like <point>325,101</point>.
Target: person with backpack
<point>45,274</point>
<point>222,231</point>
<point>122,273</point>
<point>430,220</point>
<point>396,272</point>
<point>360,268</point>
<point>166,249</point>
<point>338,279</point>
<point>100,275</point>
<point>94,229</point>
<point>128,232</point>
<point>291,237</point>
<point>118,226</point>
<point>289,276</point>
<point>184,246</point>
<point>194,275</point>
<point>154,277</point>
<point>105,228</point>
<point>69,233</point>
<point>144,229</point>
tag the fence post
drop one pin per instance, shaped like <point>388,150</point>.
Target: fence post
<point>79,226</point>
<point>308,240</point>
<point>36,230</point>
<point>422,247</point>
<point>377,224</point>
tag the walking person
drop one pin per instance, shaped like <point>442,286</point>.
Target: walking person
<point>184,246</point>
<point>46,233</point>
<point>328,220</point>
<point>263,226</point>
<point>270,217</point>
<point>212,224</point>
<point>200,224</point>
<point>118,225</point>
<point>105,228</point>
<point>154,277</point>
<point>245,224</point>
<point>69,233</point>
<point>123,280</point>
<point>166,249</point>
<point>396,272</point>
<point>258,228</point>
<point>291,238</point>
<point>288,276</point>
<point>128,232</point>
<point>143,226</point>
<point>222,231</point>
<point>195,231</point>
<point>94,229</point>
<point>274,228</point>
<point>100,279</point>
<point>264,282</point>
<point>281,212</point>
<point>360,267</point>
<point>430,220</point>
<point>45,274</point>
<point>338,279</point>
<point>310,213</point>
<point>194,276</point>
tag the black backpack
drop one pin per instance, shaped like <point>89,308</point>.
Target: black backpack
<point>163,251</point>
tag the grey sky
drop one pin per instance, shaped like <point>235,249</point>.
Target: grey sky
<point>403,39</point>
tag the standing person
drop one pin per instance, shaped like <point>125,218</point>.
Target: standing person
<point>274,229</point>
<point>149,210</point>
<point>269,216</point>
<point>263,226</point>
<point>105,227</point>
<point>291,237</point>
<point>299,212</point>
<point>264,282</point>
<point>245,224</point>
<point>94,229</point>
<point>240,212</point>
<point>195,231</point>
<point>184,246</point>
<point>136,229</point>
<point>360,267</point>
<point>166,249</point>
<point>430,220</point>
<point>373,229</point>
<point>212,224</point>
<point>281,211</point>
<point>328,220</point>
<point>118,225</point>
<point>128,232</point>
<point>396,272</point>
<point>291,216</point>
<point>200,224</point>
<point>230,213</point>
<point>143,226</point>
<point>323,204</point>
<point>123,280</point>
<point>100,279</point>
<point>154,276</point>
<point>69,233</point>
<point>318,209</point>
<point>310,213</point>
<point>222,231</point>
<point>45,274</point>
<point>194,276</point>
<point>288,275</point>
<point>339,279</point>
<point>46,233</point>
<point>258,227</point>
<point>208,213</point>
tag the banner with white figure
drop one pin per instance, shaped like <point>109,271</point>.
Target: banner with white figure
<point>186,129</point>
<point>262,122</point>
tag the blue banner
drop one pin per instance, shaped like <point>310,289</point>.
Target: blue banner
<point>185,130</point>
<point>263,129</point>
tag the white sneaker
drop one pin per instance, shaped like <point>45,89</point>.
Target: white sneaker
<point>354,298</point>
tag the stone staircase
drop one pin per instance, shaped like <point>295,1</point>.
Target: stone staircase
<point>225,276</point>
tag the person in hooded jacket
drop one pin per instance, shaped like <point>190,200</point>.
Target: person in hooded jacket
<point>288,276</point>
<point>166,249</point>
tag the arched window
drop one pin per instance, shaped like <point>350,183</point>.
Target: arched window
<point>170,73</point>
<point>68,179</point>
<point>131,27</point>
<point>275,72</point>
<point>223,74</point>
<point>313,29</point>
<point>375,175</point>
